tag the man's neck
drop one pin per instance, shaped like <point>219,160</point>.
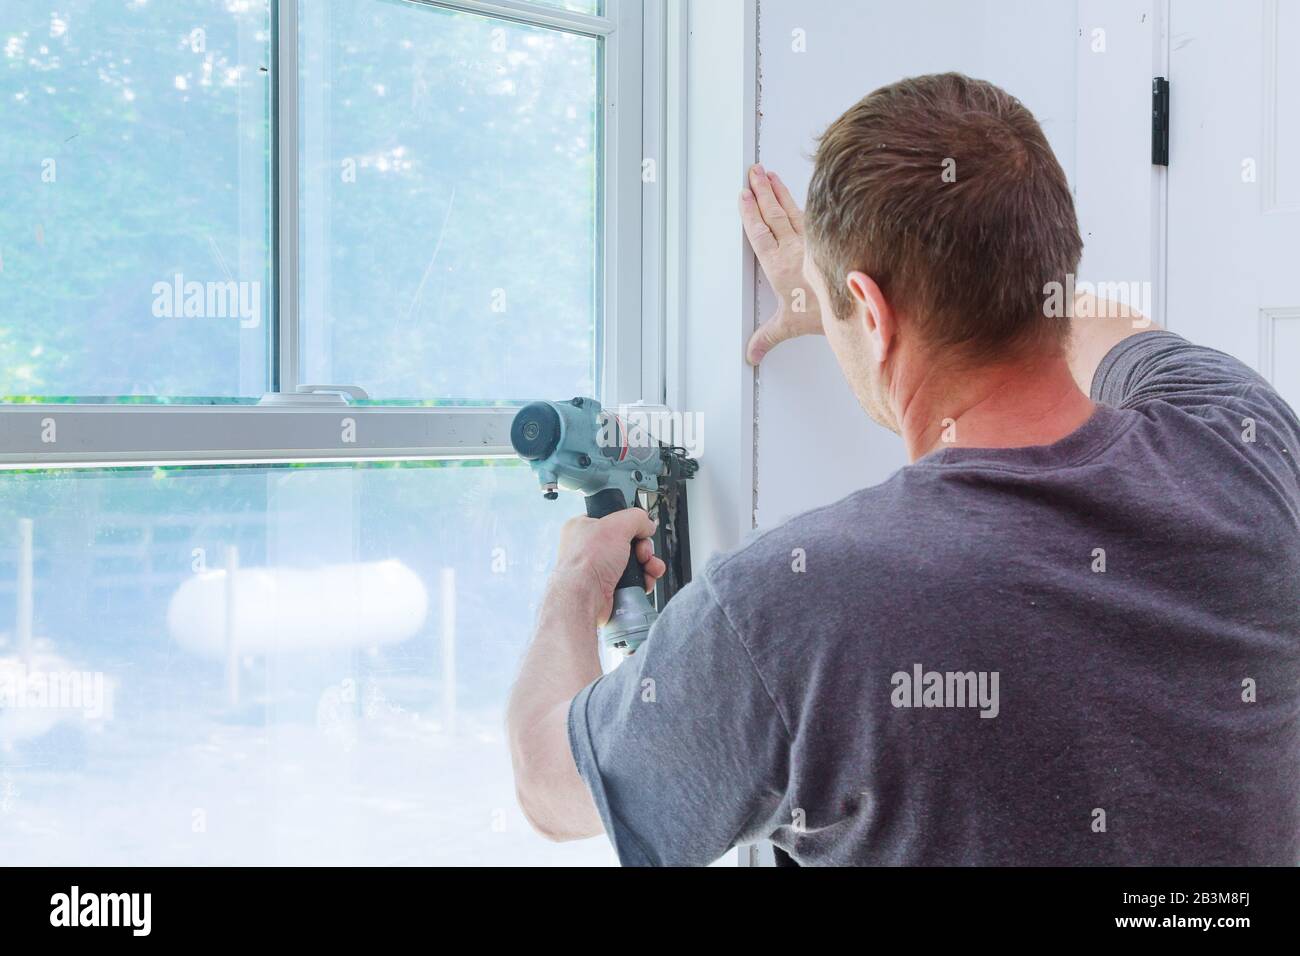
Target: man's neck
<point>1031,402</point>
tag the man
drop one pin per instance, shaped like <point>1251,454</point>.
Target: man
<point>1067,633</point>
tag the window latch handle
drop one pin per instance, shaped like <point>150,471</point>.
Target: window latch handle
<point>316,395</point>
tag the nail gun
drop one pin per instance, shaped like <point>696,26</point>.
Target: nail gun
<point>579,446</point>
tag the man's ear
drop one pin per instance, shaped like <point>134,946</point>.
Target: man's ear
<point>873,313</point>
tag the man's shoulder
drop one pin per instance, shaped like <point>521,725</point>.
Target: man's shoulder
<point>803,554</point>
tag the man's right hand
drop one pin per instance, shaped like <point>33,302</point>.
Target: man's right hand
<point>774,225</point>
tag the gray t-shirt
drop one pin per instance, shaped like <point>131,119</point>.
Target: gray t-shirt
<point>1081,653</point>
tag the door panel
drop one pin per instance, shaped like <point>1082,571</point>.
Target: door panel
<point>1234,182</point>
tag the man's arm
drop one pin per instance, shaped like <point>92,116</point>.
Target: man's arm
<point>1096,327</point>
<point>562,660</point>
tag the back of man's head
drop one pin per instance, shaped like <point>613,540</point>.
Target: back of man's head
<point>944,191</point>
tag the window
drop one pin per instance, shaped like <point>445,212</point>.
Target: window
<point>220,204</point>
<point>432,195</point>
<point>275,276</point>
<point>357,717</point>
<point>136,158</point>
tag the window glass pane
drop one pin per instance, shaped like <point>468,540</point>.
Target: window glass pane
<point>353,710</point>
<point>134,213</point>
<point>593,7</point>
<point>449,203</point>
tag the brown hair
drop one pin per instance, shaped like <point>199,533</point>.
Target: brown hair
<point>943,189</point>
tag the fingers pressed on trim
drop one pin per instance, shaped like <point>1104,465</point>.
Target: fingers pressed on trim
<point>768,205</point>
<point>787,202</point>
<point>760,237</point>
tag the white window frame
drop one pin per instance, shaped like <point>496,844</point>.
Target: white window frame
<point>310,423</point>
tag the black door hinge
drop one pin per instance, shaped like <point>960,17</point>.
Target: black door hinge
<point>1160,121</point>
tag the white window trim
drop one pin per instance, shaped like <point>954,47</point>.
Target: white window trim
<point>712,128</point>
<point>83,436</point>
<point>304,427</point>
<point>715,316</point>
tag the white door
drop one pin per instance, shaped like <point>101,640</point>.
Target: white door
<point>1233,254</point>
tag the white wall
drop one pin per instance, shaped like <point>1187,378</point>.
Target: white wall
<point>814,444</point>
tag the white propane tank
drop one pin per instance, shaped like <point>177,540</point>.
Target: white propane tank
<point>292,610</point>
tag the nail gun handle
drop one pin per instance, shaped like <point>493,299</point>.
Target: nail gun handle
<point>606,502</point>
